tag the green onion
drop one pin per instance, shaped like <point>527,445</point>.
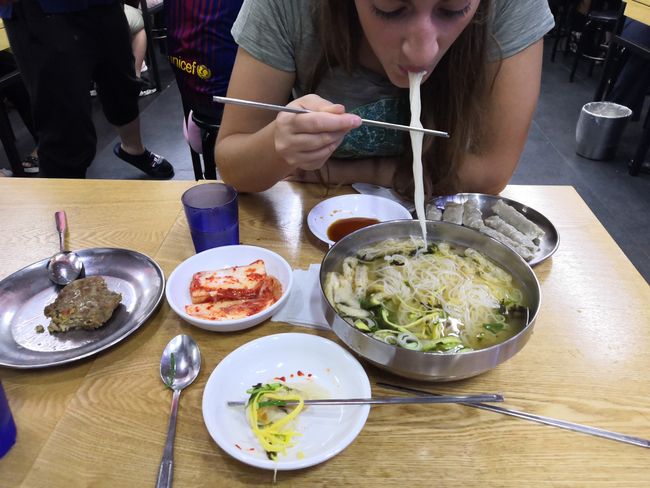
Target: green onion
<point>409,341</point>
<point>272,403</point>
<point>169,381</point>
<point>494,327</point>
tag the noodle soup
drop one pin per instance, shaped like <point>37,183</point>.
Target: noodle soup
<point>440,298</point>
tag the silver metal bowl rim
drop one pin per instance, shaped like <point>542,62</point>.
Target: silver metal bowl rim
<point>487,350</point>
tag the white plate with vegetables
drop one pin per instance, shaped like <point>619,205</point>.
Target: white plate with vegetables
<point>313,367</point>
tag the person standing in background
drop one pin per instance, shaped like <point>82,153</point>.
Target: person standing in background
<point>60,47</point>
<point>202,51</point>
<point>17,94</point>
<point>138,45</point>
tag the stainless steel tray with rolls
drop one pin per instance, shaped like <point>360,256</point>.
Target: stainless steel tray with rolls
<point>548,243</point>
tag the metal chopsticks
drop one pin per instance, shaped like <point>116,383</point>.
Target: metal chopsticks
<point>562,424</point>
<point>281,108</point>
<point>465,399</point>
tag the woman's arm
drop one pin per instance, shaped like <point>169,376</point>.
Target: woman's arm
<point>510,111</point>
<point>378,171</point>
<point>257,148</point>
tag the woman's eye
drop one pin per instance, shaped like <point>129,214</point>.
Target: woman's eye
<point>453,14</point>
<point>391,14</point>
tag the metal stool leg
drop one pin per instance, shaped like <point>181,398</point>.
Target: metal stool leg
<point>209,139</point>
<point>641,151</point>
<point>196,164</point>
<point>563,29</point>
<point>586,32</point>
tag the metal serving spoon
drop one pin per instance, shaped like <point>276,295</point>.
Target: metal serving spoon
<point>179,366</point>
<point>65,266</point>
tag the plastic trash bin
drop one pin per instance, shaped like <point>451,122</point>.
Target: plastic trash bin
<point>599,129</point>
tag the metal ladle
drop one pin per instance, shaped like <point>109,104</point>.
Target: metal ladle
<point>179,366</point>
<point>65,266</point>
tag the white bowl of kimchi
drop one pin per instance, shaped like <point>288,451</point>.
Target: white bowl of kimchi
<point>229,288</point>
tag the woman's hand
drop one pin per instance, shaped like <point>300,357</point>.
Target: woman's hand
<point>306,141</point>
<point>257,148</point>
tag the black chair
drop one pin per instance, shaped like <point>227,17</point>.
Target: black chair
<point>6,132</point>
<point>198,109</point>
<point>209,132</point>
<point>154,34</point>
<point>564,13</point>
<point>593,39</point>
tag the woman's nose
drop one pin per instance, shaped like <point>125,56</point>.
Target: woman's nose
<point>420,45</point>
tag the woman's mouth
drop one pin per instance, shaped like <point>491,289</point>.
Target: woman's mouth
<point>412,69</point>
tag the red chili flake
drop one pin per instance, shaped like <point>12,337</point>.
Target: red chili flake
<point>280,378</point>
<point>251,449</point>
<point>291,375</point>
<point>237,446</point>
<point>300,373</point>
<point>309,375</point>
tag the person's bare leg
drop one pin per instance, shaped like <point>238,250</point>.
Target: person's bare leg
<point>139,47</point>
<point>130,137</point>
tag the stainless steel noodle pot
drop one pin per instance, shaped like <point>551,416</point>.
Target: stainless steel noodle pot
<point>431,366</point>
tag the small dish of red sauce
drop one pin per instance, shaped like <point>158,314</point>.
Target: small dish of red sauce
<point>342,227</point>
<point>336,217</point>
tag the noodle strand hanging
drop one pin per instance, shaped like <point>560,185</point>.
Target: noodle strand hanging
<point>415,79</point>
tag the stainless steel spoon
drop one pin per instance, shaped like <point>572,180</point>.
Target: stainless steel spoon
<point>65,266</point>
<point>179,366</point>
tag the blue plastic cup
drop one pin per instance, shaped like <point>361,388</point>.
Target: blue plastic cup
<point>212,215</point>
<point>7,425</point>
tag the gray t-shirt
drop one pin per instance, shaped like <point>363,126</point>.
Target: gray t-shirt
<point>280,33</point>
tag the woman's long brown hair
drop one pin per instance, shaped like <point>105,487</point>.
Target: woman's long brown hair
<point>453,98</point>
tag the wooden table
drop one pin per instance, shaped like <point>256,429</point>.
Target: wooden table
<point>4,40</point>
<point>103,421</point>
<point>638,10</point>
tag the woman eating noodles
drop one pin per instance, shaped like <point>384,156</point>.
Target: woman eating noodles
<point>347,60</point>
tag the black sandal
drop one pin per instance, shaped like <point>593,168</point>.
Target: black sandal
<point>154,165</point>
<point>30,165</point>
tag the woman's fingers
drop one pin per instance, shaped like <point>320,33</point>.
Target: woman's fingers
<point>305,151</point>
<point>326,116</point>
<point>318,122</point>
<point>307,140</point>
<point>317,104</point>
<point>303,142</point>
<point>312,160</point>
